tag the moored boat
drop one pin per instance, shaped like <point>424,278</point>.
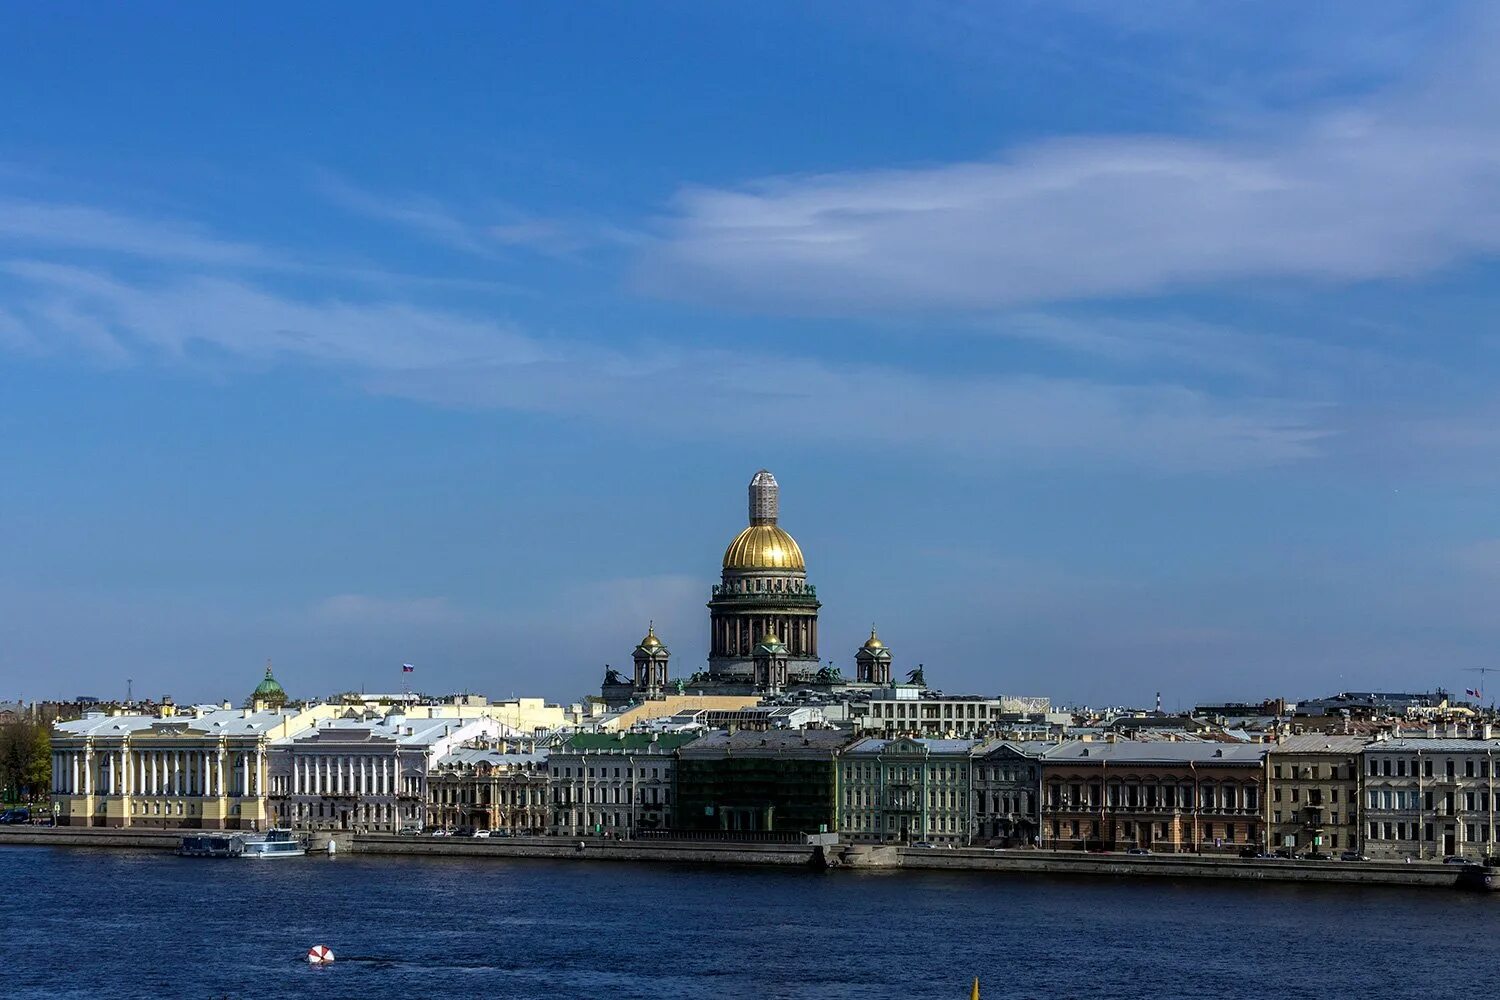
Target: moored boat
<point>211,845</point>
<point>276,843</point>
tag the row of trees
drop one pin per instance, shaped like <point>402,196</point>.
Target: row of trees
<point>25,762</point>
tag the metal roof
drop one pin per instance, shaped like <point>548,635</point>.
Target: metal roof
<point>879,744</point>
<point>1134,752</point>
<point>1440,744</point>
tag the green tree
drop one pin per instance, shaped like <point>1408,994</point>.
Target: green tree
<point>36,779</point>
<point>25,761</point>
<point>12,761</point>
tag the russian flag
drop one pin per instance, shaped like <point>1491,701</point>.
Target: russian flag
<point>407,668</point>
<point>1472,693</point>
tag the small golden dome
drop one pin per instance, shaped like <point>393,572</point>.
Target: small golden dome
<point>874,641</point>
<point>769,639</point>
<point>764,546</point>
<point>651,641</point>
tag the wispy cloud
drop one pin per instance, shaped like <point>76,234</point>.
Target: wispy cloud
<point>1391,187</point>
<point>70,307</point>
<point>486,231</point>
<point>84,227</point>
<point>454,360</point>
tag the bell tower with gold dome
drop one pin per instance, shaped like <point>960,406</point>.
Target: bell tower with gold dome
<point>763,592</point>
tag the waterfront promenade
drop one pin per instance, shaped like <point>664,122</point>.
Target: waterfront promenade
<point>844,857</point>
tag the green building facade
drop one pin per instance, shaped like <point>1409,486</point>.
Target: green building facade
<point>777,782</point>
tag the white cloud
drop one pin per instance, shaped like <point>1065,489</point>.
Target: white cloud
<point>482,231</point>
<point>1390,188</point>
<point>83,227</point>
<point>81,308</point>
<point>450,359</point>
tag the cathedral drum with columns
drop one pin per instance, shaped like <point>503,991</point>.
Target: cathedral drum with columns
<point>763,597</point>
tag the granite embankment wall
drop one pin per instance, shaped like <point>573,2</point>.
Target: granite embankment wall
<point>1180,866</point>
<point>592,849</point>
<point>82,836</point>
<point>846,856</point>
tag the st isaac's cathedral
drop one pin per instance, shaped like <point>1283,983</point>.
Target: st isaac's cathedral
<point>763,624</point>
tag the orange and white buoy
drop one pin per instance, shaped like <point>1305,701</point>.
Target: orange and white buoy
<point>319,955</point>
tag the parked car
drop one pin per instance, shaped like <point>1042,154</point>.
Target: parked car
<point>440,832</point>
<point>1285,853</point>
<point>482,834</point>
<point>1454,859</point>
<point>1317,856</point>
<point>1139,850</point>
<point>409,830</point>
<point>923,843</point>
<point>16,816</point>
<point>1352,856</point>
<point>464,831</point>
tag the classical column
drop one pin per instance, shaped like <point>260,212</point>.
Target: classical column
<point>219,773</point>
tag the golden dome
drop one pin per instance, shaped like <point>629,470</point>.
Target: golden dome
<point>651,641</point>
<point>764,546</point>
<point>874,641</point>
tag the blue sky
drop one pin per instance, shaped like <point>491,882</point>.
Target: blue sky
<point>1100,349</point>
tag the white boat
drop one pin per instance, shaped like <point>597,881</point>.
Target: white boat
<point>276,843</point>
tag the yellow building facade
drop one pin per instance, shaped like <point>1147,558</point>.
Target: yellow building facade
<point>204,769</point>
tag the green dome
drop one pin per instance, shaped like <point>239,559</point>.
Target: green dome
<point>269,690</point>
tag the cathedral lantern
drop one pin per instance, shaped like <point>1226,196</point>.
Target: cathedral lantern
<point>872,663</point>
<point>770,658</point>
<point>651,655</point>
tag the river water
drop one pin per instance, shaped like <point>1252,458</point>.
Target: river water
<point>96,923</point>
